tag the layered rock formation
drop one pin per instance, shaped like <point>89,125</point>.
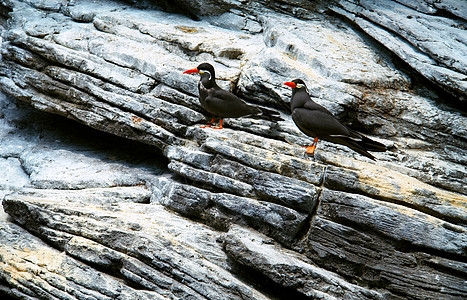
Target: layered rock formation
<point>162,208</point>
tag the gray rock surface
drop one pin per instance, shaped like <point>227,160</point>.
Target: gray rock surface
<point>419,33</point>
<point>289,268</point>
<point>163,209</point>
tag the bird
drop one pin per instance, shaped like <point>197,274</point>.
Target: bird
<point>223,104</point>
<point>316,121</point>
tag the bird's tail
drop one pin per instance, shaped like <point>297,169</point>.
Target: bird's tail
<point>266,114</point>
<point>365,145</point>
<point>371,145</point>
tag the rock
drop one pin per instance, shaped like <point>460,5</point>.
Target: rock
<point>142,245</point>
<point>418,29</point>
<point>391,247</point>
<point>12,175</point>
<point>49,273</point>
<point>395,187</point>
<point>151,205</point>
<point>288,268</point>
<point>197,8</point>
<point>388,220</point>
<point>221,209</point>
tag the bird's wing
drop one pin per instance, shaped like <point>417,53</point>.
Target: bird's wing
<point>226,96</point>
<point>311,105</point>
<point>226,104</point>
<point>321,123</point>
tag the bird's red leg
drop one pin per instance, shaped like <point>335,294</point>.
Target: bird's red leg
<point>212,121</point>
<point>220,124</point>
<point>311,149</point>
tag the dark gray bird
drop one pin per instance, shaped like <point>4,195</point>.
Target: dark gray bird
<point>316,121</point>
<point>223,104</point>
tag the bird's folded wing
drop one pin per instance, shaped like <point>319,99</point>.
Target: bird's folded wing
<point>226,104</point>
<point>321,123</point>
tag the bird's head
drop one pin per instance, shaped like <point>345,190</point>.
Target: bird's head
<point>204,68</point>
<point>296,84</point>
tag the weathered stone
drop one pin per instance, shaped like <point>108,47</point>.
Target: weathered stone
<point>353,228</point>
<point>392,186</point>
<point>288,268</point>
<point>49,273</point>
<point>221,210</point>
<point>372,240</point>
<point>12,175</point>
<point>108,195</point>
<point>417,38</point>
<point>395,221</point>
<point>117,238</point>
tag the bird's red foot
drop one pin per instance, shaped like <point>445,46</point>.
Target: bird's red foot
<point>220,125</point>
<point>210,123</point>
<point>311,150</point>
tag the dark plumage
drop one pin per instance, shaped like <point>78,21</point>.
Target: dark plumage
<point>223,104</point>
<point>316,121</point>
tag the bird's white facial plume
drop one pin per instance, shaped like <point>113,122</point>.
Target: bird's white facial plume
<point>204,71</point>
<point>299,86</point>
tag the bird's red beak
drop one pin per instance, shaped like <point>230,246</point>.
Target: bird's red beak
<point>195,70</point>
<point>290,84</point>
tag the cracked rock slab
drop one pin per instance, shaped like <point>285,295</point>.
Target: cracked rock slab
<point>376,243</point>
<point>139,243</point>
<point>30,269</point>
<point>222,209</point>
<point>349,223</point>
<point>289,269</point>
<point>414,36</point>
